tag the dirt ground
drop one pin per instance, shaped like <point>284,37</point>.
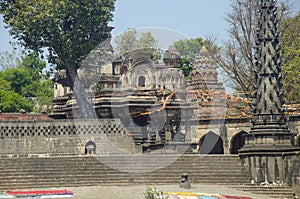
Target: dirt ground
<point>137,192</point>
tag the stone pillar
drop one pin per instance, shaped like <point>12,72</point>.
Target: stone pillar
<point>269,138</point>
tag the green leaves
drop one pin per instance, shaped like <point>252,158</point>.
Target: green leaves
<point>68,29</point>
<point>25,86</point>
<point>187,67</point>
<point>13,102</point>
<point>290,42</point>
<point>189,48</point>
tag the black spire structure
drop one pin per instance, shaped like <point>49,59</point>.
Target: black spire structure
<point>269,137</point>
<point>269,121</point>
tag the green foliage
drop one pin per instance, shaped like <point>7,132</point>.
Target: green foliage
<point>189,48</point>
<point>25,86</point>
<point>11,101</point>
<point>154,194</point>
<point>150,44</point>
<point>131,40</point>
<point>186,66</point>
<point>291,56</point>
<point>68,29</point>
<point>127,41</point>
<point>19,79</point>
<point>44,96</point>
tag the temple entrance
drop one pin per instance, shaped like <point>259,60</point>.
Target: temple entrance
<point>211,143</point>
<point>237,142</point>
<point>90,147</point>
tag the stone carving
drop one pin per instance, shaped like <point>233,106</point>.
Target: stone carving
<point>269,149</point>
<point>269,97</point>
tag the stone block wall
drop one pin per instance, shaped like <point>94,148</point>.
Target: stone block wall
<point>62,137</point>
<point>292,165</point>
<point>274,168</point>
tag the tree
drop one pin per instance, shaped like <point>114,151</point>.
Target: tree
<point>25,78</point>
<point>26,85</point>
<point>189,48</point>
<point>131,40</point>
<point>291,57</point>
<point>20,81</point>
<point>44,96</point>
<point>41,85</point>
<point>8,60</point>
<point>69,30</point>
<point>237,55</point>
<point>127,41</point>
<point>186,66</point>
<point>11,101</point>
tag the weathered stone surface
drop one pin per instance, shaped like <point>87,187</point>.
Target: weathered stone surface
<point>269,148</point>
<point>63,137</point>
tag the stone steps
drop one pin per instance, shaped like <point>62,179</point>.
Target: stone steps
<point>119,170</point>
<point>278,192</point>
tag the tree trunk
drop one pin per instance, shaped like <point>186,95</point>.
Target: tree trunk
<point>84,105</point>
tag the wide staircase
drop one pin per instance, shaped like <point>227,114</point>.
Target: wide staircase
<point>69,171</point>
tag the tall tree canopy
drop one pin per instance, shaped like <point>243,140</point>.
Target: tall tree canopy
<point>131,40</point>
<point>68,29</point>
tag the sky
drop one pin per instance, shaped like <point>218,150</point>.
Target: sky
<point>172,18</point>
<point>168,20</point>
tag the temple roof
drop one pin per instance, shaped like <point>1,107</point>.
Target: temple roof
<point>204,51</point>
<point>139,55</point>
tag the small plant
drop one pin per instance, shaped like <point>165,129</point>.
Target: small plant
<point>152,193</point>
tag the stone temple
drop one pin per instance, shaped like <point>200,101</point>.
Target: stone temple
<point>152,124</point>
<point>153,100</point>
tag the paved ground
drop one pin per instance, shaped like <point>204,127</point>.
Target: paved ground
<point>137,192</point>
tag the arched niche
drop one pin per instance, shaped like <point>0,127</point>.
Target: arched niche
<point>142,75</point>
<point>237,142</point>
<point>211,143</point>
<point>90,147</point>
<point>141,81</point>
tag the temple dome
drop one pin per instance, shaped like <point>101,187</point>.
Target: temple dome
<point>171,54</point>
<point>137,56</point>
